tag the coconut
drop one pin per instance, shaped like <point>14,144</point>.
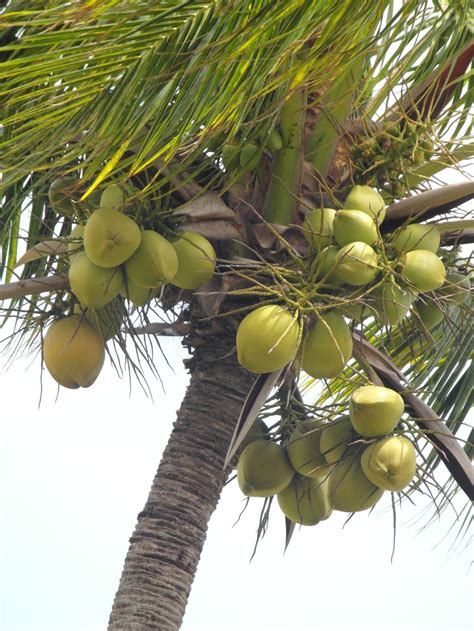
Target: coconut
<point>61,193</point>
<point>110,237</point>
<point>326,266</point>
<point>305,501</point>
<point>356,263</point>
<point>392,303</point>
<point>335,439</point>
<point>196,260</point>
<point>368,201</point>
<point>74,352</point>
<point>354,225</point>
<point>390,463</point>
<point>349,488</point>
<point>318,227</point>
<point>423,269</point>
<point>92,285</point>
<point>263,469</point>
<point>327,346</point>
<point>375,410</point>
<point>429,313</point>
<point>75,241</point>
<point>417,236</point>
<point>304,452</point>
<point>112,197</point>
<point>138,296</point>
<point>358,311</point>
<point>153,263</point>
<point>456,287</point>
<point>267,339</point>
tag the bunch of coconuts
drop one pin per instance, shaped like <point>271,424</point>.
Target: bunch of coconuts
<point>343,465</point>
<point>110,256</point>
<point>348,254</point>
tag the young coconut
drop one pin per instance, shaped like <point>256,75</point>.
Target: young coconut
<point>392,303</point>
<point>112,197</point>
<point>267,339</point>
<point>327,346</point>
<point>354,225</point>
<point>74,352</point>
<point>318,227</point>
<point>423,269</point>
<point>356,264</point>
<point>375,410</point>
<point>304,451</point>
<point>75,241</point>
<point>305,501</point>
<point>108,319</point>
<point>153,263</point>
<point>263,469</point>
<point>429,312</point>
<point>92,285</point>
<point>110,237</point>
<point>456,288</point>
<point>390,463</point>
<point>335,440</point>
<point>325,266</point>
<point>349,489</point>
<point>196,260</point>
<point>417,236</point>
<point>61,193</point>
<point>368,201</point>
<point>138,296</point>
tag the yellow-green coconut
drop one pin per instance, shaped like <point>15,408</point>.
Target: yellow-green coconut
<point>318,227</point>
<point>375,410</point>
<point>423,269</point>
<point>367,200</point>
<point>61,193</point>
<point>92,285</point>
<point>325,266</point>
<point>429,312</point>
<point>335,439</point>
<point>263,469</point>
<point>349,488</point>
<point>354,225</point>
<point>110,237</point>
<point>153,263</point>
<point>456,288</point>
<point>305,501</point>
<point>327,346</point>
<point>390,463</point>
<point>196,260</point>
<point>74,352</point>
<point>392,303</point>
<point>356,263</point>
<point>112,197</point>
<point>417,236</point>
<point>267,339</point>
<point>304,451</point>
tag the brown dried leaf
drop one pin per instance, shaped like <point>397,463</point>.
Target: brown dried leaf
<point>204,207</point>
<point>214,229</point>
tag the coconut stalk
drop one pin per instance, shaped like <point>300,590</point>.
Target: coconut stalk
<point>160,566</point>
<point>281,200</point>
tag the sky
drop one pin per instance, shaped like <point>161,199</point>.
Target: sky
<point>76,470</point>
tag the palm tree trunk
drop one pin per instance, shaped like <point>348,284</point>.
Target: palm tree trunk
<point>169,536</point>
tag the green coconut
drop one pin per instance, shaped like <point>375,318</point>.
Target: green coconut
<point>110,237</point>
<point>318,227</point>
<point>423,269</point>
<point>61,193</point>
<point>349,489</point>
<point>263,469</point>
<point>358,311</point>
<point>356,264</point>
<point>375,410</point>
<point>267,339</point>
<point>392,303</point>
<point>73,352</point>
<point>368,201</point>
<point>75,241</point>
<point>354,225</point>
<point>112,197</point>
<point>390,463</point>
<point>456,288</point>
<point>138,296</point>
<point>92,285</point>
<point>249,156</point>
<point>153,263</point>
<point>429,312</point>
<point>305,501</point>
<point>327,346</point>
<point>335,439</point>
<point>196,260</point>
<point>325,266</point>
<point>304,452</point>
<point>274,140</point>
<point>417,236</point>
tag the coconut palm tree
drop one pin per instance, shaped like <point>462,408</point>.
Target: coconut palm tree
<point>235,120</point>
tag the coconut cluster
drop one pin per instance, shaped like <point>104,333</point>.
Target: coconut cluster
<point>361,273</point>
<point>321,467</point>
<point>110,256</point>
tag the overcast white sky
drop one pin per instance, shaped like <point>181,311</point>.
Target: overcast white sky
<point>76,472</point>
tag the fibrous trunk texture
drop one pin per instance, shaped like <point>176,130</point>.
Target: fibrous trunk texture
<point>169,536</point>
